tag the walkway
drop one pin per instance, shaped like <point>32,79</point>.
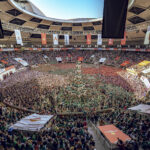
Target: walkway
<point>99,146</point>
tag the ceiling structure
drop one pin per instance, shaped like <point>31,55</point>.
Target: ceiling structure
<point>32,23</point>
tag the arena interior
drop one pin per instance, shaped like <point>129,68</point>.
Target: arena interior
<point>63,87</point>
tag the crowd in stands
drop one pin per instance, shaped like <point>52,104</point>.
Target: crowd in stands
<point>69,132</point>
<point>134,124</point>
<point>66,133</point>
<point>112,57</point>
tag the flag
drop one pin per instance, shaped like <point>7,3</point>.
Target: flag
<point>43,38</point>
<point>114,18</point>
<point>110,42</point>
<point>125,63</point>
<point>18,37</point>
<point>123,41</point>
<point>66,39</point>
<point>55,39</point>
<point>80,59</point>
<point>147,36</point>
<point>88,39</point>
<point>1,30</point>
<point>99,39</point>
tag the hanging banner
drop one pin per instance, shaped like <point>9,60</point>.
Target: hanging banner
<point>99,39</point>
<point>66,39</point>
<point>55,39</point>
<point>110,42</point>
<point>123,41</point>
<point>18,37</point>
<point>43,38</point>
<point>147,36</point>
<point>88,39</point>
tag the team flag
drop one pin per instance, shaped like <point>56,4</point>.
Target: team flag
<point>43,38</point>
<point>18,37</point>
<point>99,39</point>
<point>66,39</point>
<point>55,39</point>
<point>88,39</point>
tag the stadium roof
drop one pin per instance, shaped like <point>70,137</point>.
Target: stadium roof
<point>25,16</point>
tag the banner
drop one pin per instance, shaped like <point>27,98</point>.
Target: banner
<point>66,38</point>
<point>99,39</point>
<point>110,42</point>
<point>144,63</point>
<point>112,133</point>
<point>145,81</point>
<point>45,56</point>
<point>125,63</point>
<point>146,71</point>
<point>18,37</point>
<point>102,60</point>
<point>1,30</point>
<point>59,59</point>
<point>43,38</point>
<point>33,122</point>
<point>132,71</point>
<point>80,59</point>
<point>55,39</point>
<point>88,39</point>
<point>4,62</point>
<point>147,36</point>
<point>21,61</point>
<point>123,41</point>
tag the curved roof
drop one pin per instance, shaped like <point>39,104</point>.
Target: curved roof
<point>25,5</point>
<point>34,22</point>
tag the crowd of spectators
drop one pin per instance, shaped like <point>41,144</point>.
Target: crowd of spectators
<point>112,57</point>
<point>69,133</point>
<point>132,123</point>
<point>66,133</point>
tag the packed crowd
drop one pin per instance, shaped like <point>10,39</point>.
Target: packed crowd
<point>112,57</point>
<point>30,89</point>
<point>133,124</point>
<point>66,133</point>
<point>70,133</point>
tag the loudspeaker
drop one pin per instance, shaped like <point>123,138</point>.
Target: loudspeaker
<point>114,18</point>
<point>1,30</point>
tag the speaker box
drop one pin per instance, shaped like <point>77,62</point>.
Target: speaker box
<point>114,18</point>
